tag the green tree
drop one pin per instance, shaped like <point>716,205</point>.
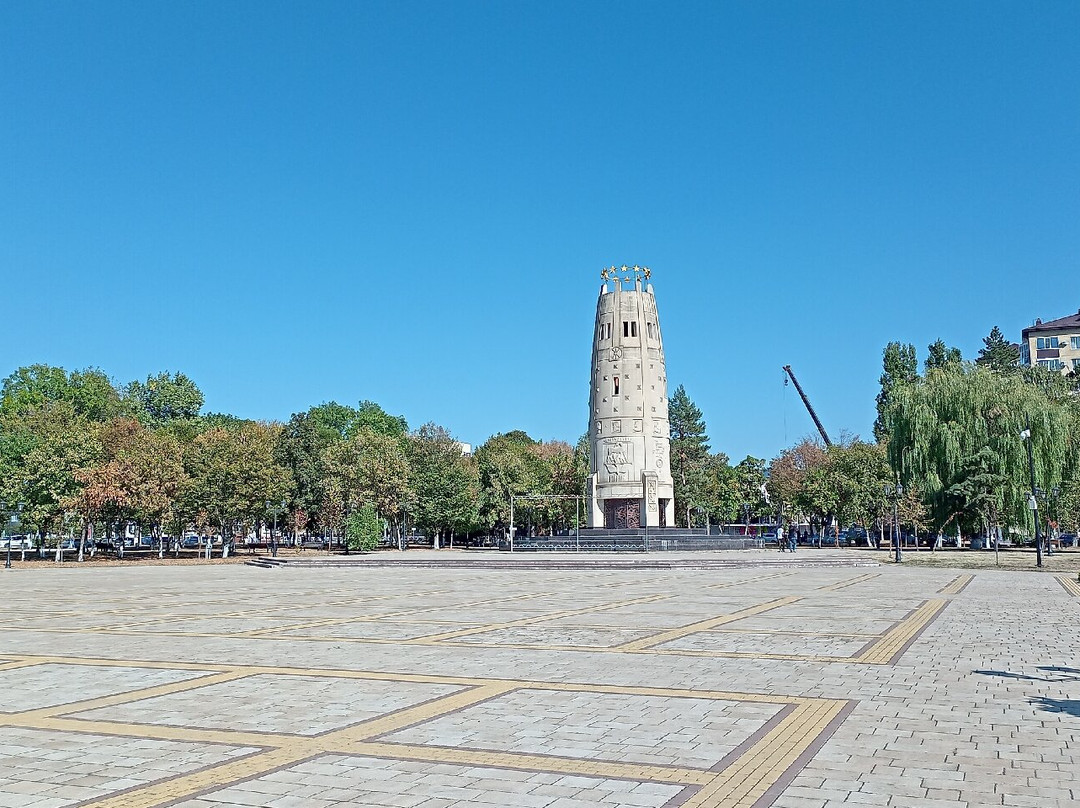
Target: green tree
<point>508,465</point>
<point>997,353</point>
<point>858,473</point>
<point>957,434</point>
<point>788,474</point>
<point>979,489</point>
<point>232,474</point>
<point>89,392</point>
<point>166,397</point>
<point>301,448</point>
<point>717,490</point>
<point>42,446</point>
<point>689,455</point>
<point>751,489</point>
<point>371,416</point>
<point>362,529</point>
<point>940,355</point>
<point>444,482</point>
<point>900,367</point>
<point>370,468</point>
<point>138,476</point>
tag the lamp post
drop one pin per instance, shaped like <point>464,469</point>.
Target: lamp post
<point>14,520</point>
<point>1033,503</point>
<point>1052,519</point>
<point>511,523</point>
<point>896,491</point>
<point>274,510</point>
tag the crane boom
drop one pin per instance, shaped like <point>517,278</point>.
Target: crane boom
<point>809,408</point>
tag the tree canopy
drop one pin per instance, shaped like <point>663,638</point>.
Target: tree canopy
<point>998,353</point>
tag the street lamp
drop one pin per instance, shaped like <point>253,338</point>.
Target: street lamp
<point>1033,503</point>
<point>1052,519</point>
<point>274,511</point>
<point>14,520</point>
<point>896,492</point>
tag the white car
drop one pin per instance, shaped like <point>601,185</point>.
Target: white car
<point>17,542</point>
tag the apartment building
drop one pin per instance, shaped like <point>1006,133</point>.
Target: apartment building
<point>1054,345</point>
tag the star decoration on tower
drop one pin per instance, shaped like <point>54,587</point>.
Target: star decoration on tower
<point>625,273</point>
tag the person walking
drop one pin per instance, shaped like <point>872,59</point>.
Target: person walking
<point>792,540</point>
<point>780,538</point>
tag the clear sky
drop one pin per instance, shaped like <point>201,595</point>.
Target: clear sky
<point>412,202</point>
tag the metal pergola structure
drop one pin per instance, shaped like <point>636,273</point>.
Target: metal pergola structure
<point>580,498</point>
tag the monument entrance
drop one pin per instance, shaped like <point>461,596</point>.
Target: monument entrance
<point>622,513</point>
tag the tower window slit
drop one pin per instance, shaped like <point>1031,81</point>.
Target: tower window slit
<point>615,381</point>
<point>633,328</point>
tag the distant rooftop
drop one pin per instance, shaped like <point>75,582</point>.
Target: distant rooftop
<point>1069,321</point>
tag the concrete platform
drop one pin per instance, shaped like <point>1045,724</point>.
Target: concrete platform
<point>494,560</point>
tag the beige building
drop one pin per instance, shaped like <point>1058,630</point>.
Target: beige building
<point>630,483</point>
<point>1054,345</point>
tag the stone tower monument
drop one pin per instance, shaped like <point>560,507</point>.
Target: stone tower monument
<point>630,475</point>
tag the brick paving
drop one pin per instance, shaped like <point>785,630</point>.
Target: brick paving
<point>219,686</point>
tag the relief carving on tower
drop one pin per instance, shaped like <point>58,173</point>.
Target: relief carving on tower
<point>658,451</point>
<point>651,494</point>
<point>618,460</point>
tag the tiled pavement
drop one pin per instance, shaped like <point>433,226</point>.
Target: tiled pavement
<point>223,686</point>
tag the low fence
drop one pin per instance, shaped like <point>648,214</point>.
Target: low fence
<point>633,541</point>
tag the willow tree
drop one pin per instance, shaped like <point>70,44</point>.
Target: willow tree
<point>956,436</point>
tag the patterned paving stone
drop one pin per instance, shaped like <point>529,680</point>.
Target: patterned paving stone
<point>967,694</point>
<point>688,732</point>
<point>767,643</point>
<point>288,704</point>
<point>563,635</point>
<point>50,685</point>
<point>48,769</point>
<point>382,630</point>
<point>337,780</point>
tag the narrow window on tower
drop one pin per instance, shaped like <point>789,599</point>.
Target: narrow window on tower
<point>625,328</point>
<point>633,328</point>
<point>615,382</point>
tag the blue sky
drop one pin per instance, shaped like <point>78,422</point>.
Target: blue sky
<point>412,202</point>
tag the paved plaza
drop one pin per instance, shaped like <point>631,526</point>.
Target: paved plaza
<point>226,686</point>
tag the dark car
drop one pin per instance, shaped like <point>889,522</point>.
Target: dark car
<point>1067,539</point>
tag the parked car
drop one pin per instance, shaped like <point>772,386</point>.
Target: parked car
<point>1067,539</point>
<point>856,534</point>
<point>17,542</point>
<point>982,543</point>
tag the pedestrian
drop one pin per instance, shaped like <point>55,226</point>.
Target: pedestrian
<point>792,537</point>
<point>780,538</point>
